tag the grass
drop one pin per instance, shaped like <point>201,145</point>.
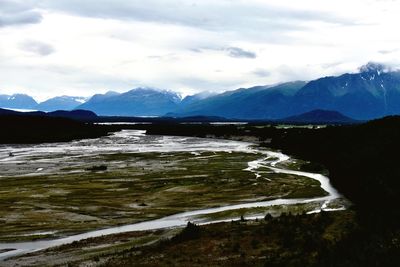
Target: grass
<point>91,251</point>
<point>287,240</point>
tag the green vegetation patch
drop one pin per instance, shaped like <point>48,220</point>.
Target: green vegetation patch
<point>274,211</point>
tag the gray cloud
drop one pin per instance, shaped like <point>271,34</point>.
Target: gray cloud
<point>38,48</point>
<point>205,13</point>
<point>240,53</point>
<point>260,21</point>
<point>261,73</point>
<point>206,28</point>
<point>18,13</point>
<point>196,50</point>
<point>384,52</point>
<point>255,21</point>
<point>210,84</point>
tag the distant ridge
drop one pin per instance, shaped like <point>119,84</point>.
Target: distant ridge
<point>319,116</point>
<point>74,114</point>
<point>83,115</point>
<point>4,112</point>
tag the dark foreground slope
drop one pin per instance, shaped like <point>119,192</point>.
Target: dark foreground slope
<point>326,239</point>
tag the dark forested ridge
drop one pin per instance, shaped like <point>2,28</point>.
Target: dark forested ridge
<point>39,129</point>
<point>362,160</point>
<point>320,116</point>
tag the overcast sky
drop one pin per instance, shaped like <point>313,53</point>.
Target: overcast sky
<point>83,47</point>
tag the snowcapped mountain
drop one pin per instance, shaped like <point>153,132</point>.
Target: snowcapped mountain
<point>373,92</point>
<point>142,101</point>
<point>17,101</point>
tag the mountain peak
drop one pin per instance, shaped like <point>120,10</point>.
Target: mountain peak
<point>111,93</point>
<point>152,92</point>
<point>375,68</point>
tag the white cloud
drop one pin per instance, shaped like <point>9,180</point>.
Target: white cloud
<point>75,47</point>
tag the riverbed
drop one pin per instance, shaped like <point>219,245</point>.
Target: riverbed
<point>261,168</point>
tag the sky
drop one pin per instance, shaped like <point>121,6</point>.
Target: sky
<point>84,47</point>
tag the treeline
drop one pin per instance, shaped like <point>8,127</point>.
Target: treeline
<point>362,160</point>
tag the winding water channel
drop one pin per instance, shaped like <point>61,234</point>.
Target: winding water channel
<point>137,141</point>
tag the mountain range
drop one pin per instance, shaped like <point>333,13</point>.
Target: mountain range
<point>26,102</point>
<point>372,92</point>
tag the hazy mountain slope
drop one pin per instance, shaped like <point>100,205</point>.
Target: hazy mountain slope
<point>260,102</point>
<point>60,103</point>
<point>191,99</point>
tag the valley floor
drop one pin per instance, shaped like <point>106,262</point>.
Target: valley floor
<point>340,238</point>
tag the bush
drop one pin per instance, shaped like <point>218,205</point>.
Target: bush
<point>191,231</point>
